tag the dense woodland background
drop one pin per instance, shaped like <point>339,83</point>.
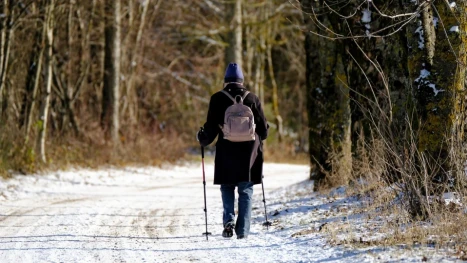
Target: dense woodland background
<point>161,59</point>
<point>371,89</point>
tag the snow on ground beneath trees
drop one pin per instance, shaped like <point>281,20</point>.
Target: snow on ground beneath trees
<point>454,29</point>
<point>366,16</point>
<point>149,214</point>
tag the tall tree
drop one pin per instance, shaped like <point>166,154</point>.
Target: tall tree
<point>405,65</point>
<point>328,99</point>
<point>271,32</point>
<point>191,40</point>
<point>134,59</point>
<point>33,79</point>
<point>44,112</point>
<point>234,50</point>
<point>5,47</point>
<point>437,68</point>
<point>111,90</point>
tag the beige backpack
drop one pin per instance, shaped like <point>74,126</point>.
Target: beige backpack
<point>239,122</point>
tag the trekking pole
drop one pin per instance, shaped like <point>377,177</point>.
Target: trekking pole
<point>204,184</point>
<point>267,223</point>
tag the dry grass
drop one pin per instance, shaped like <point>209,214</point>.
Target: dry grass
<point>145,150</point>
<point>284,151</point>
<point>277,154</point>
<point>93,151</point>
<point>13,155</point>
<point>65,152</point>
<point>386,187</point>
<point>376,219</point>
<point>393,227</point>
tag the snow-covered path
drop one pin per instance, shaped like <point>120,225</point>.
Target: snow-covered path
<point>132,215</point>
<point>156,215</point>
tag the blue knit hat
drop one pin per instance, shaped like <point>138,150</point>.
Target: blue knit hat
<point>233,74</point>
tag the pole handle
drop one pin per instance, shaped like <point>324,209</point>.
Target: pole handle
<point>202,148</point>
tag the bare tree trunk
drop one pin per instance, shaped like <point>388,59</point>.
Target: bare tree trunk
<point>460,107</point>
<point>135,60</point>
<point>258,74</point>
<point>250,52</point>
<point>435,70</point>
<point>275,99</point>
<point>233,52</point>
<point>461,74</point>
<point>50,22</point>
<point>7,31</point>
<point>72,89</point>
<point>35,82</point>
<point>327,102</point>
<point>3,43</point>
<point>270,31</point>
<point>111,91</point>
<point>261,50</point>
<point>261,79</point>
<point>69,86</point>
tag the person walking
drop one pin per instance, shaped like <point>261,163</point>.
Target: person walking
<point>239,153</point>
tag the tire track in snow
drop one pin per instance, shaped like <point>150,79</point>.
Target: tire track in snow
<point>129,216</point>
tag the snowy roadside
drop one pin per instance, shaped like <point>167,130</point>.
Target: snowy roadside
<point>151,214</point>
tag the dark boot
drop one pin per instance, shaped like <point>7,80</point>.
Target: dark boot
<point>228,230</point>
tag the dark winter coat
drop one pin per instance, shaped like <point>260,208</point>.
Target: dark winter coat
<point>235,161</point>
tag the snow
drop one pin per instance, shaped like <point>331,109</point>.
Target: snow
<point>423,75</point>
<point>435,21</point>
<point>421,40</point>
<point>452,197</point>
<point>367,33</point>
<point>150,214</point>
<point>366,16</point>
<point>422,79</point>
<point>435,90</point>
<point>454,29</point>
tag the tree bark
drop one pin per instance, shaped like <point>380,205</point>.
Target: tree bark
<point>234,50</point>
<point>259,72</point>
<point>34,82</point>
<point>250,52</point>
<point>460,79</point>
<point>275,99</point>
<point>327,102</point>
<point>44,112</point>
<point>131,101</point>
<point>6,36</point>
<point>111,90</point>
<point>435,70</point>
<point>381,97</point>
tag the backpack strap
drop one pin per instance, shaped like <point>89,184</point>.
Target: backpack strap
<point>228,95</point>
<point>234,100</point>
<point>246,94</point>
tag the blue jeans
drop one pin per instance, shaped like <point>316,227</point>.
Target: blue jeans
<point>245,194</point>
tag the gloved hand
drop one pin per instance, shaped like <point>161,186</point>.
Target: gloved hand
<point>202,137</point>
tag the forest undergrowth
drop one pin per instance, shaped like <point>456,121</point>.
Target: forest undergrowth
<point>145,148</point>
<point>92,152</point>
<point>400,205</point>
